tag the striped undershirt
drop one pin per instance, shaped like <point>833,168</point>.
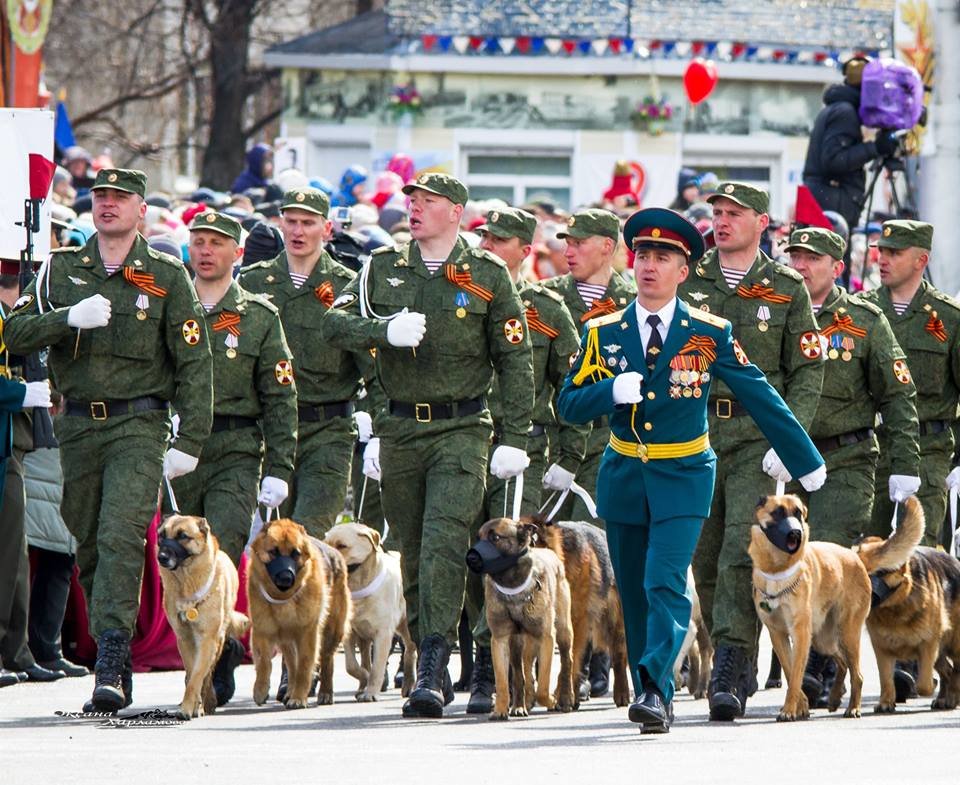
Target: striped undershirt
<point>433,264</point>
<point>591,292</point>
<point>112,268</point>
<point>732,276</point>
<point>298,279</point>
<point>900,308</point>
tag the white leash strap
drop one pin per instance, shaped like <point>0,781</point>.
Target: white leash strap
<point>517,496</point>
<point>363,495</point>
<point>173,499</point>
<point>781,487</point>
<point>506,493</point>
<point>893,520</point>
<point>557,506</point>
<point>586,498</point>
<point>953,521</point>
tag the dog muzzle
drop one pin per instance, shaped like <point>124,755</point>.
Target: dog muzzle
<point>171,554</point>
<point>486,558</point>
<point>786,534</point>
<point>879,591</point>
<point>282,571</point>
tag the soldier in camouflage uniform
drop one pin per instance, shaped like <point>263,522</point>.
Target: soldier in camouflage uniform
<point>442,317</point>
<point>254,407</point>
<point>865,374</point>
<point>302,283</point>
<point>508,234</point>
<point>126,339</point>
<point>775,327</point>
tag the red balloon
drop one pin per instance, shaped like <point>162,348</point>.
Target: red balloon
<point>699,79</point>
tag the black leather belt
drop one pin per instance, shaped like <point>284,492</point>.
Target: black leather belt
<point>725,408</point>
<point>427,412</point>
<point>230,422</point>
<point>324,411</point>
<point>101,410</point>
<point>843,440</point>
<point>933,426</point>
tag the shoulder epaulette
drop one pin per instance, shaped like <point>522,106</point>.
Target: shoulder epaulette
<point>548,293</point>
<point>788,272</point>
<point>385,249</point>
<point>255,266</point>
<point>262,301</point>
<point>65,249</point>
<point>479,253</point>
<point>710,318</point>
<point>869,307</point>
<point>600,321</point>
<point>944,298</point>
<point>166,258</point>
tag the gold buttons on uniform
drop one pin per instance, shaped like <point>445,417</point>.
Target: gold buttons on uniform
<point>648,426</point>
<point>651,395</point>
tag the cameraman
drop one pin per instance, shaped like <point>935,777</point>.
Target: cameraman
<point>837,152</point>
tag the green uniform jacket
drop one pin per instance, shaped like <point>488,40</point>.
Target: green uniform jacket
<point>324,373</point>
<point>555,343</point>
<point>249,378</point>
<point>934,363</point>
<point>155,344</point>
<point>469,334</point>
<point>781,339</point>
<point>873,378</point>
<point>622,291</point>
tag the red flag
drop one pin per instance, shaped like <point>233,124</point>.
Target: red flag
<point>41,175</point>
<point>809,212</point>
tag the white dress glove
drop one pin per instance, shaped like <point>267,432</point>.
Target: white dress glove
<point>953,479</point>
<point>626,387</point>
<point>508,462</point>
<point>371,459</point>
<point>406,330</point>
<point>902,486</point>
<point>773,466</point>
<point>814,480</point>
<point>90,313</point>
<point>37,394</point>
<point>273,491</point>
<point>557,478</point>
<point>364,426</point>
<point>176,463</point>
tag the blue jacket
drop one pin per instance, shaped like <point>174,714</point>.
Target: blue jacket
<point>252,176</point>
<point>671,487</point>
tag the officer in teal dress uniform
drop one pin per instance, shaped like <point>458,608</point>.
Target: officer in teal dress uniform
<point>649,368</point>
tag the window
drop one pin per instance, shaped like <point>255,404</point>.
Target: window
<point>519,176</point>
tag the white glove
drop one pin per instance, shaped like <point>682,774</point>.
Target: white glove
<point>371,459</point>
<point>557,478</point>
<point>953,479</point>
<point>176,462</point>
<point>37,394</point>
<point>508,462</point>
<point>815,480</point>
<point>364,426</point>
<point>90,313</point>
<point>273,491</point>
<point>773,466</point>
<point>406,329</point>
<point>902,486</point>
<point>626,387</point>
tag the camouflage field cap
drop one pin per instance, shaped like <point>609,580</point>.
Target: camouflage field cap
<point>743,194</point>
<point>212,221</point>
<point>133,181</point>
<point>441,184</point>
<point>905,234</point>
<point>590,223</point>
<point>313,200</point>
<point>510,222</point>
<point>817,240</point>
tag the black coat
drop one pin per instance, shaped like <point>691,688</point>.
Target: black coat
<point>837,153</point>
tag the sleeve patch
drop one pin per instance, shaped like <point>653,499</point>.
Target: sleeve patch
<point>810,346</point>
<point>191,332</point>
<point>513,331</point>
<point>345,299</point>
<point>901,371</point>
<point>739,353</point>
<point>284,372</point>
<point>22,302</point>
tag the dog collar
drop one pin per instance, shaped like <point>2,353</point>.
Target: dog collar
<point>525,586</point>
<point>274,600</point>
<point>189,606</point>
<point>371,587</point>
<point>786,575</point>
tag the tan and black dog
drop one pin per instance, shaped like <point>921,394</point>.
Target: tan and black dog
<point>528,610</point>
<point>200,587</point>
<point>299,603</point>
<point>697,648</point>
<point>808,593</point>
<point>916,610</point>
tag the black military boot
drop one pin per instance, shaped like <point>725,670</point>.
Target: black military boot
<point>775,676</point>
<point>583,678</point>
<point>433,689</point>
<point>482,683</point>
<point>224,684</point>
<point>813,686</point>
<point>905,679</point>
<point>599,674</point>
<point>727,692</point>
<point>465,644</point>
<point>113,662</point>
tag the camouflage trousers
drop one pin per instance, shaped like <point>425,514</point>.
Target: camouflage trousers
<point>111,484</point>
<point>936,460</point>
<point>432,491</point>
<point>840,512</point>
<point>320,475</point>
<point>224,487</point>
<point>721,564</point>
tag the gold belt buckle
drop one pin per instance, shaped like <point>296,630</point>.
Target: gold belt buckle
<point>98,410</point>
<point>728,405</point>
<point>422,407</point>
<point>642,452</point>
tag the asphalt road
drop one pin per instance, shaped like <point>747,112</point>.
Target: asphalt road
<point>370,743</point>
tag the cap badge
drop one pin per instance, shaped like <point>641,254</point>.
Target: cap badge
<point>300,196</point>
<point>728,189</point>
<point>571,220</point>
<point>655,232</point>
<point>112,177</point>
<point>211,218</point>
<point>494,216</point>
<point>887,231</point>
<point>804,237</point>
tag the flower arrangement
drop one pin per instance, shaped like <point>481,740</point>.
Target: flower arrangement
<point>405,99</point>
<point>651,114</point>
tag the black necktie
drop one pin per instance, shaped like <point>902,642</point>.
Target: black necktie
<point>654,342</point>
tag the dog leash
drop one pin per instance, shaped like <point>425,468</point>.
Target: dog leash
<point>953,521</point>
<point>256,524</point>
<point>517,496</point>
<point>173,499</point>
<point>781,487</point>
<point>578,491</point>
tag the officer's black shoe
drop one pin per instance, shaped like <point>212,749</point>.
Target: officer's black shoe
<point>224,684</point>
<point>482,684</point>
<point>775,676</point>
<point>905,680</point>
<point>398,677</point>
<point>726,693</point>
<point>71,669</point>
<point>8,678</point>
<point>284,683</point>
<point>813,677</point>
<point>433,689</point>
<point>599,674</point>
<point>39,673</point>
<point>583,678</point>
<point>653,714</point>
<point>113,653</point>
